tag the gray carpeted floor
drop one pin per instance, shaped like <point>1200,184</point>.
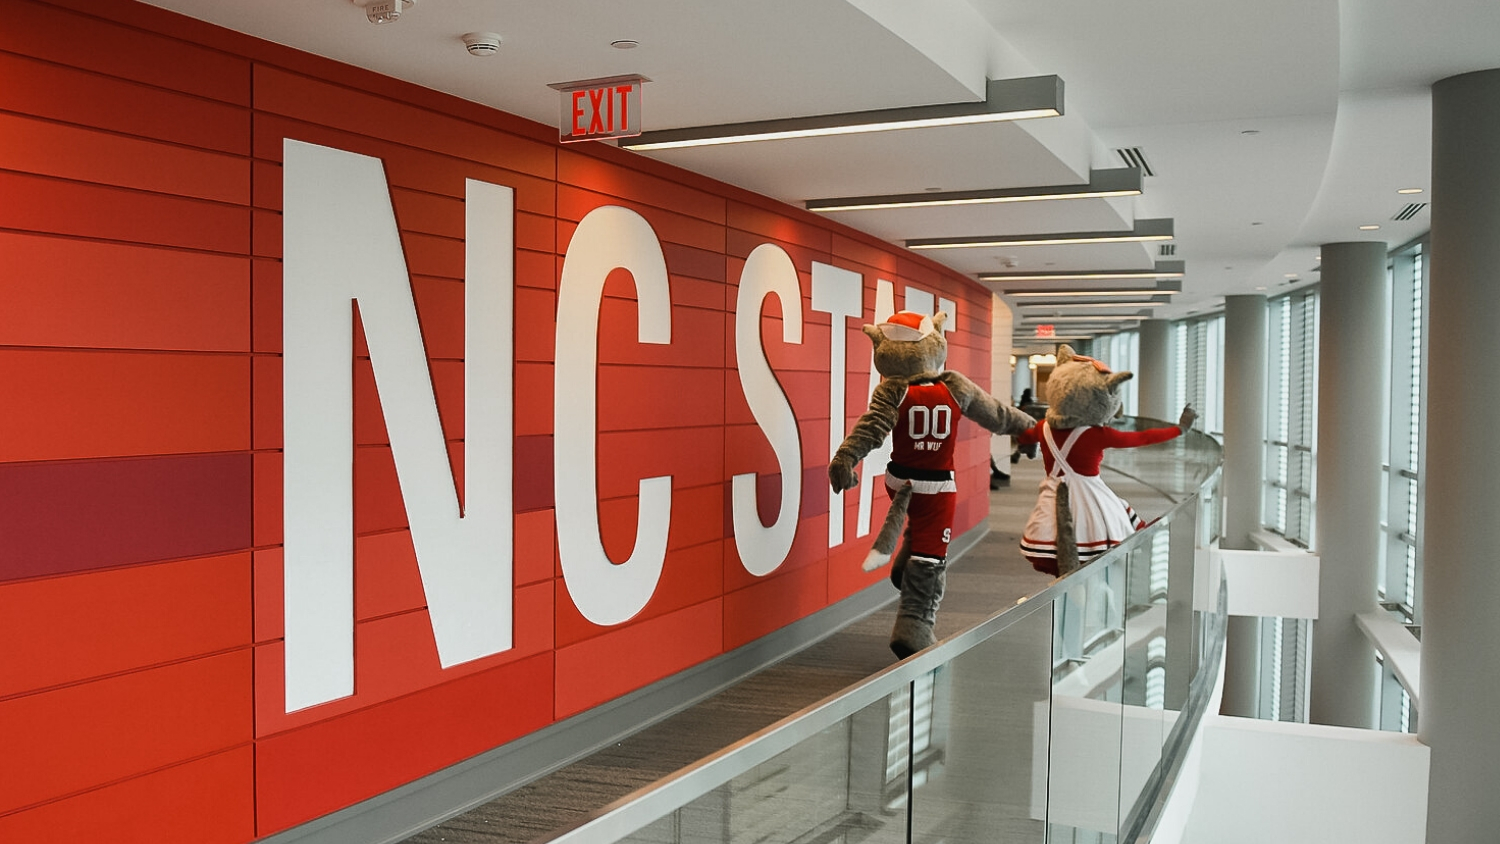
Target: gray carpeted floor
<point>988,578</point>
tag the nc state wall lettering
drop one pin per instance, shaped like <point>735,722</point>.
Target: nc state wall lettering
<point>342,247</point>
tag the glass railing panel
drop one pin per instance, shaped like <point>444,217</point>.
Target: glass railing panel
<point>1083,801</point>
<point>981,775</point>
<point>1144,692</point>
<point>1056,721</point>
<point>847,781</point>
<point>1176,467</point>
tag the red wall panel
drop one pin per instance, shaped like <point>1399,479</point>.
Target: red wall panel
<point>315,770</point>
<point>83,736</point>
<point>632,656</point>
<point>89,99</point>
<point>87,294</point>
<point>45,204</point>
<point>205,801</point>
<point>141,474</point>
<point>47,32</point>
<point>299,97</point>
<point>775,601</point>
<point>105,158</point>
<point>111,621</point>
<point>76,516</point>
<point>76,404</point>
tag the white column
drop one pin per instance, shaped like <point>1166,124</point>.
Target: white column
<point>1246,350</point>
<point>1154,380</point>
<point>1352,343</point>
<point>1461,530</point>
<point>1002,322</point>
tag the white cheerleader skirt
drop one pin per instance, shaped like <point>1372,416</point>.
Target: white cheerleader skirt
<point>1101,520</point>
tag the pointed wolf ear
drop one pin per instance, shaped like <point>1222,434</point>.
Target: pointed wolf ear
<point>1115,379</point>
<point>876,338</point>
<point>1065,353</point>
<point>938,319</point>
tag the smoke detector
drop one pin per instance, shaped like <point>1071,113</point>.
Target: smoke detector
<point>384,11</point>
<point>482,43</point>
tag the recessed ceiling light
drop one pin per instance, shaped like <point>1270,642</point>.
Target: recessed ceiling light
<point>1260,288</point>
<point>1409,190</point>
<point>625,44</point>
<point>1291,275</point>
<point>1368,228</point>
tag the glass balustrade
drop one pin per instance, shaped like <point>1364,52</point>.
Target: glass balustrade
<point>1057,720</point>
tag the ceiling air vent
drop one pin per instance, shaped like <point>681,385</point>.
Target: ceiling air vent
<point>1134,157</point>
<point>1410,211</point>
<point>1166,250</point>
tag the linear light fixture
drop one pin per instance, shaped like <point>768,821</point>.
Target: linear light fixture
<point>1054,305</point>
<point>1145,230</point>
<point>1005,99</point>
<point>1100,294</point>
<point>1120,181</point>
<point>1163,270</point>
<point>1033,320</point>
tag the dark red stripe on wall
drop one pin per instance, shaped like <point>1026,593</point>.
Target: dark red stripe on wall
<point>76,516</point>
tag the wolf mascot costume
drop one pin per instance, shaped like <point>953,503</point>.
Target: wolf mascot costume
<point>918,403</point>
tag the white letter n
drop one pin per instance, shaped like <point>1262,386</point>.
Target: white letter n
<point>341,245</point>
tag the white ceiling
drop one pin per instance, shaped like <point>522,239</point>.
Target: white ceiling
<point>1272,126</point>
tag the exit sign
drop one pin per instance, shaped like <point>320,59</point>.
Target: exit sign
<point>595,109</point>
<point>1045,330</point>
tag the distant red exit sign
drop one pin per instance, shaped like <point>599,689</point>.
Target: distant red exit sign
<point>1046,331</point>
<point>595,109</point>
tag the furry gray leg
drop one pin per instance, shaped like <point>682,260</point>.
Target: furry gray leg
<point>1067,539</point>
<point>921,592</point>
<point>890,530</point>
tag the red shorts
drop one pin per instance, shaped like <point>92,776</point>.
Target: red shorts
<point>929,523</point>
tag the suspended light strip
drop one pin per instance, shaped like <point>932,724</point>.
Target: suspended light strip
<point>1163,270</point>
<point>1090,304</point>
<point>1006,99</point>
<point>1035,319</point>
<point>1145,230</point>
<point>1022,294</point>
<point>1123,181</point>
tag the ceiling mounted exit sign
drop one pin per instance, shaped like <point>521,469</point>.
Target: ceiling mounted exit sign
<point>595,109</point>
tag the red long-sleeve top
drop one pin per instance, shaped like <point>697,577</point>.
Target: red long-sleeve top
<point>1088,452</point>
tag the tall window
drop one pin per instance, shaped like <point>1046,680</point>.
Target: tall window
<point>1198,370</point>
<point>1399,577</point>
<point>1291,430</point>
<point>1400,567</point>
<point>1122,353</point>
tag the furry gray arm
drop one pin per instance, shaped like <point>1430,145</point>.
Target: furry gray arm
<point>869,432</point>
<point>986,410</point>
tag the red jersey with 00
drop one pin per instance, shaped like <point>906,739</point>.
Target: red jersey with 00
<point>926,428</point>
